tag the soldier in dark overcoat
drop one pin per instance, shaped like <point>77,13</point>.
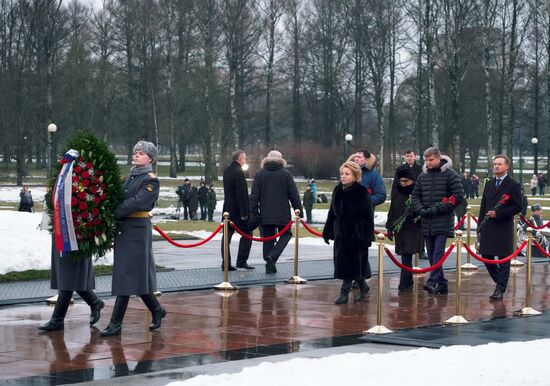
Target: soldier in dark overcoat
<point>134,263</point>
<point>408,239</point>
<point>211,195</point>
<point>350,223</point>
<point>496,234</point>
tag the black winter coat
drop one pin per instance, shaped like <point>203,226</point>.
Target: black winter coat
<point>409,239</point>
<point>272,189</point>
<point>235,192</point>
<point>430,189</point>
<point>350,223</point>
<point>497,234</point>
<point>203,195</point>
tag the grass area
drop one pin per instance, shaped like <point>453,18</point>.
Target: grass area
<point>45,274</point>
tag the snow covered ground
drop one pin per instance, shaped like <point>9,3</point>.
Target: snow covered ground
<point>515,363</point>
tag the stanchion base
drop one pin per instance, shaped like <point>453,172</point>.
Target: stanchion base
<point>470,266</point>
<point>457,319</point>
<point>296,280</point>
<point>53,300</point>
<point>226,286</point>
<point>516,263</point>
<point>527,311</point>
<point>158,294</point>
<point>378,330</point>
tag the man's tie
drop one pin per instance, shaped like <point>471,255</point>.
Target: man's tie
<point>497,183</point>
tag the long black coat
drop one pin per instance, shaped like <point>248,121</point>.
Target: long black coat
<point>497,234</point>
<point>409,239</point>
<point>134,262</point>
<point>430,189</point>
<point>350,223</point>
<point>235,192</point>
<point>272,189</point>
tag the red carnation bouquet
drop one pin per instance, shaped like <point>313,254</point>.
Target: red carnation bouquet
<point>505,197</point>
<point>446,200</point>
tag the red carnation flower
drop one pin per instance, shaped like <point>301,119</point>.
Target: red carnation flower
<point>80,159</point>
<point>102,186</point>
<point>81,195</point>
<point>95,212</point>
<point>93,189</point>
<point>86,183</point>
<point>85,174</point>
<point>452,200</point>
<point>89,224</point>
<point>97,200</point>
<point>96,221</point>
<point>74,201</point>
<point>77,169</point>
<point>83,206</point>
<point>85,214</point>
<point>445,200</point>
<point>103,197</point>
<point>89,165</point>
<point>95,180</point>
<point>76,179</point>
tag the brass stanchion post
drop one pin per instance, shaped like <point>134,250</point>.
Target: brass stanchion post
<point>528,310</point>
<point>225,285</point>
<point>379,328</point>
<point>416,261</point>
<point>515,262</point>
<point>468,265</point>
<point>296,279</point>
<point>457,319</point>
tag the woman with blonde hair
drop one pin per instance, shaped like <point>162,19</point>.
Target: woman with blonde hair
<point>350,223</point>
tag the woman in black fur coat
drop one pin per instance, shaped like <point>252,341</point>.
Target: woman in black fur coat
<point>350,223</point>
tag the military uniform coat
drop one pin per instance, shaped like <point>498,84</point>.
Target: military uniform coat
<point>350,223</point>
<point>134,263</point>
<point>71,274</point>
<point>497,235</point>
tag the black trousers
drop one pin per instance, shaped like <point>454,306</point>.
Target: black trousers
<point>272,249</point>
<point>499,272</point>
<point>244,244</point>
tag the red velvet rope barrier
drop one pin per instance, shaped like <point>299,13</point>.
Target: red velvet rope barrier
<point>533,225</point>
<point>263,239</point>
<point>421,270</point>
<point>460,222</point>
<point>541,249</point>
<point>167,238</point>
<point>474,218</point>
<point>310,230</point>
<point>506,259</point>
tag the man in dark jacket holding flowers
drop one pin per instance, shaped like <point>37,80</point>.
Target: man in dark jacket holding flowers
<point>437,192</point>
<point>500,202</point>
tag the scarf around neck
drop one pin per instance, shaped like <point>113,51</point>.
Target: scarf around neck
<point>136,170</point>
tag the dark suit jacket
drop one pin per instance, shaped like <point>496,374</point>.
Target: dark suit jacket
<point>235,192</point>
<point>497,235</point>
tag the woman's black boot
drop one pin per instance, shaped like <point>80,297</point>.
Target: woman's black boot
<point>115,325</point>
<point>61,306</point>
<point>344,292</point>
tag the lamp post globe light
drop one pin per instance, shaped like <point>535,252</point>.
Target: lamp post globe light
<point>52,128</point>
<point>347,139</point>
<point>535,141</point>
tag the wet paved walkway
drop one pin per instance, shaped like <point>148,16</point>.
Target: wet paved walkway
<point>203,327</point>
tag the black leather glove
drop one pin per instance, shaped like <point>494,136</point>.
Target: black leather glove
<point>326,240</point>
<point>390,235</point>
<point>423,212</point>
<point>432,211</point>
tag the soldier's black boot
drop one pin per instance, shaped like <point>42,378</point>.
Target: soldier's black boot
<point>95,303</point>
<point>157,312</point>
<point>363,290</point>
<point>61,306</point>
<point>344,292</point>
<point>115,325</point>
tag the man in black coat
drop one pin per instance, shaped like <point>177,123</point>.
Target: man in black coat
<point>437,181</point>
<point>236,204</point>
<point>410,164</point>
<point>500,202</point>
<point>272,189</point>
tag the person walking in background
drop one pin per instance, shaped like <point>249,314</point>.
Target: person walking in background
<point>272,189</point>
<point>184,193</point>
<point>411,164</point>
<point>437,182</point>
<point>350,223</point>
<point>134,262</point>
<point>500,202</point>
<point>211,195</point>
<point>25,200</point>
<point>466,185</point>
<point>203,200</point>
<point>308,203</point>
<point>400,223</point>
<point>235,203</point>
<point>534,183</point>
<point>542,183</point>
<point>474,187</point>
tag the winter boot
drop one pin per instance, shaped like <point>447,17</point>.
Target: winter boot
<point>95,303</point>
<point>57,320</point>
<point>344,292</point>
<point>115,325</point>
<point>157,312</point>
<point>363,290</point>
